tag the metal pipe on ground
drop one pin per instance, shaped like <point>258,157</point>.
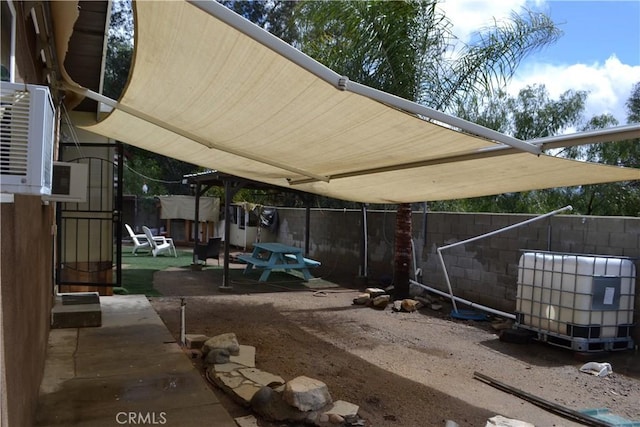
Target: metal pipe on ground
<point>464,301</point>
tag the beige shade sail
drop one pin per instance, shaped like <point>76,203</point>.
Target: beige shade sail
<point>221,93</point>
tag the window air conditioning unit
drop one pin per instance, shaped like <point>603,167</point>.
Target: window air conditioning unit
<point>26,139</point>
<point>69,183</point>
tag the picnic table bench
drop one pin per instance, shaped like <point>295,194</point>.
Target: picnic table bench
<point>277,256</point>
<point>308,261</point>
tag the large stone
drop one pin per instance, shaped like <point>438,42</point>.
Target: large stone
<point>245,392</point>
<point>500,421</point>
<point>343,408</point>
<point>227,341</point>
<point>381,301</point>
<point>226,367</point>
<point>261,377</point>
<point>361,299</point>
<point>410,305</point>
<point>217,356</point>
<point>248,421</point>
<point>270,404</point>
<point>228,382</point>
<point>374,292</point>
<point>247,356</point>
<point>307,394</point>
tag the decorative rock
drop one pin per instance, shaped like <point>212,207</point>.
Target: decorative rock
<point>247,356</point>
<point>381,301</point>
<point>361,299</point>
<point>261,377</point>
<point>436,307</point>
<point>226,367</point>
<point>228,381</point>
<point>217,356</point>
<point>195,341</point>
<point>227,341</point>
<point>500,421</point>
<point>248,421</point>
<point>502,324</point>
<point>245,392</point>
<point>306,394</point>
<point>269,403</point>
<point>335,419</point>
<point>375,292</point>
<point>410,305</point>
<point>343,408</point>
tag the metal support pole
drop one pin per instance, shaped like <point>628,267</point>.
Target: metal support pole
<point>227,233</point>
<point>196,221</point>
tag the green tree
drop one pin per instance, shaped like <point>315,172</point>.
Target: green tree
<point>617,198</point>
<point>402,47</point>
<point>274,16</point>
<point>119,49</point>
<point>633,105</point>
<point>533,114</point>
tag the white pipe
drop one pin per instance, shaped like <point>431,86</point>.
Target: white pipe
<point>491,233</point>
<point>446,276</point>
<point>183,337</point>
<point>416,270</point>
<point>464,301</point>
<point>464,125</point>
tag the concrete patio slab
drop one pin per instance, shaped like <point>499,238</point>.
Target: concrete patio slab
<point>128,371</point>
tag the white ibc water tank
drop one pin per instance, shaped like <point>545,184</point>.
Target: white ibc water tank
<point>587,296</point>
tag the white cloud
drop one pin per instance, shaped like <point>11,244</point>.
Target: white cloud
<point>468,16</point>
<point>608,84</point>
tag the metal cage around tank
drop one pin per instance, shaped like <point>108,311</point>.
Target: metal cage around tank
<point>577,301</point>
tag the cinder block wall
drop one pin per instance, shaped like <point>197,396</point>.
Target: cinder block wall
<point>484,271</point>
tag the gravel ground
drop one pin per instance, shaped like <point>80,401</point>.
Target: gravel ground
<point>402,369</point>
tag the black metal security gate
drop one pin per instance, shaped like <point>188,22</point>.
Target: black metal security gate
<point>89,234</point>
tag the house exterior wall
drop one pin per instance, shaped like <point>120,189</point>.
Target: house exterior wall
<point>26,285</point>
<point>26,262</point>
<point>484,271</point>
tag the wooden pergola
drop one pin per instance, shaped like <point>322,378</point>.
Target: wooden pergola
<point>231,184</point>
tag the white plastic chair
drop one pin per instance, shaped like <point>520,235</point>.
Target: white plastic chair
<point>139,240</point>
<point>159,244</point>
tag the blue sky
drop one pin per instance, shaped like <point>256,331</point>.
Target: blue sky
<point>593,31</point>
<point>599,51</point>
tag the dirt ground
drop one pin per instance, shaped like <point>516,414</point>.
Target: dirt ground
<point>402,369</point>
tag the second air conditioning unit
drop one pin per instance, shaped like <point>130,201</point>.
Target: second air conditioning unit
<point>70,182</point>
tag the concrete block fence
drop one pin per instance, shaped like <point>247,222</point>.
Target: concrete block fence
<point>484,271</point>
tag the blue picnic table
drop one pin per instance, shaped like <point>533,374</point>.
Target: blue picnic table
<point>277,256</point>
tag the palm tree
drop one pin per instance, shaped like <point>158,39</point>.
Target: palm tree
<point>404,48</point>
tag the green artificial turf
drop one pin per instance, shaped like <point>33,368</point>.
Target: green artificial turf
<point>137,270</point>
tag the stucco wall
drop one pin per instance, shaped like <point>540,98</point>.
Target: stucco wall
<point>484,271</point>
<point>26,289</point>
